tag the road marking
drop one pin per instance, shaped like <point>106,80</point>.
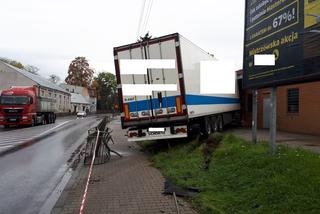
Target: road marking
<point>53,128</point>
<point>6,146</point>
<point>13,140</point>
<point>18,140</point>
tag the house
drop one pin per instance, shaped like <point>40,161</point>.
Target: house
<point>82,99</point>
<point>12,76</point>
<point>79,103</point>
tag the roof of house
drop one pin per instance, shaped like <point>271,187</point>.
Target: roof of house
<point>38,79</point>
<point>78,98</point>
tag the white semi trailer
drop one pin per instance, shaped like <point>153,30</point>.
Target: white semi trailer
<point>171,114</point>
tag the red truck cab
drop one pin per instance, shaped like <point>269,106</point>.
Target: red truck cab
<point>18,106</point>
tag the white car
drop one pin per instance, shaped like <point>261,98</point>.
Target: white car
<point>81,114</point>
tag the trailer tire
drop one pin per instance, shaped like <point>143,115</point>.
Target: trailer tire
<point>44,121</point>
<point>33,123</point>
<point>6,126</point>
<point>50,118</point>
<point>206,128</point>
<point>215,125</point>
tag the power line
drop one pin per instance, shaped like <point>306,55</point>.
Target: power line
<point>141,17</point>
<point>144,17</point>
<point>147,17</point>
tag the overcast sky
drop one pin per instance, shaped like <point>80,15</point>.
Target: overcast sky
<point>49,34</point>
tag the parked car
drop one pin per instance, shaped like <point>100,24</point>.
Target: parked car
<point>81,114</point>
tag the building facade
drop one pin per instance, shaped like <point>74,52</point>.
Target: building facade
<point>82,99</point>
<point>12,76</point>
<point>79,103</point>
<point>298,108</point>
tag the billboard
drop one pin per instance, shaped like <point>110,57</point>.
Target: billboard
<point>288,29</point>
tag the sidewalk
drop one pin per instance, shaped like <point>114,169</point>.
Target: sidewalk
<point>122,185</point>
<point>309,142</point>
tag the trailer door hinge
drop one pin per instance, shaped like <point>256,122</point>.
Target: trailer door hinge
<point>116,57</point>
<point>180,75</point>
<point>119,86</point>
<point>177,44</point>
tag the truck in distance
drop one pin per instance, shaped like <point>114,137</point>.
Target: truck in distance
<point>171,114</point>
<point>23,106</point>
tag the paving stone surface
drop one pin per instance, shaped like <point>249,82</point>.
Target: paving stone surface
<point>123,185</point>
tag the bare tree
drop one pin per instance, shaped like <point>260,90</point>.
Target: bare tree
<point>79,72</point>
<point>54,79</point>
<point>31,69</point>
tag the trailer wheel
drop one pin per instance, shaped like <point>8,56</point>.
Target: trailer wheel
<point>206,126</point>
<point>6,126</point>
<point>50,118</point>
<point>33,123</point>
<point>216,125</point>
<point>44,122</point>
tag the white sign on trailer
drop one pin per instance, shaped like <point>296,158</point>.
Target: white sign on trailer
<point>210,82</point>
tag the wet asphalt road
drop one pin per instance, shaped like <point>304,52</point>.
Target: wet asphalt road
<point>14,136</point>
<point>30,174</point>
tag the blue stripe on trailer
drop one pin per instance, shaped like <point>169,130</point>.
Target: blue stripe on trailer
<point>143,105</point>
<point>207,100</point>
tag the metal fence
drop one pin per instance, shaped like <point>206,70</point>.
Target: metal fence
<point>100,135</point>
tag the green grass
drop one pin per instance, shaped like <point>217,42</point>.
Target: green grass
<point>244,178</point>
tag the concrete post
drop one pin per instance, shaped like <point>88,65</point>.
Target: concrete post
<point>273,121</point>
<point>254,115</point>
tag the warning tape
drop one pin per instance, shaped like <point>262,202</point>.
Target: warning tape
<point>84,197</point>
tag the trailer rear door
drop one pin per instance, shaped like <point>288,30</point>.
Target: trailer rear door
<point>161,104</point>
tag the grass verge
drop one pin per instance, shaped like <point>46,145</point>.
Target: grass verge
<point>244,178</point>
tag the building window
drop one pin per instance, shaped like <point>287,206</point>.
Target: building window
<point>49,94</point>
<point>249,103</point>
<point>42,93</point>
<point>293,100</point>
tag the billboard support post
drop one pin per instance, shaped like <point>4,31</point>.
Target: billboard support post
<point>273,121</point>
<point>254,115</point>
